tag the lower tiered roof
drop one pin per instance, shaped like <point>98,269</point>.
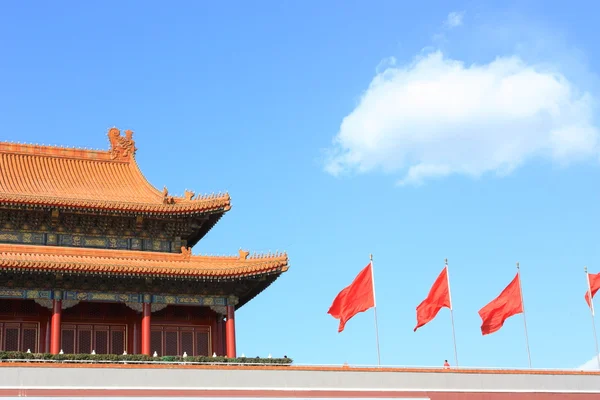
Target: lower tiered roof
<point>138,263</point>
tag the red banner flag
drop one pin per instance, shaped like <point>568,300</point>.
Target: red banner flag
<point>354,299</point>
<point>594,281</point>
<point>507,304</point>
<point>438,297</point>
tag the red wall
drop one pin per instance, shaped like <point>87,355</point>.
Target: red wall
<point>26,311</point>
<point>111,313</point>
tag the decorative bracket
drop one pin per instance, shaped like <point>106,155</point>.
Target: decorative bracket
<point>139,223</point>
<point>49,303</point>
<point>139,307</point>
<point>222,310</point>
<point>54,215</point>
<point>232,300</point>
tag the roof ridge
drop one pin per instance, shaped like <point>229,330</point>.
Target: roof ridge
<point>188,196</point>
<point>122,149</point>
<point>245,255</point>
<point>52,146</point>
<point>80,153</point>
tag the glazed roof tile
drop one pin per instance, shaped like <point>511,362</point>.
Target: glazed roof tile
<point>127,262</point>
<point>90,179</point>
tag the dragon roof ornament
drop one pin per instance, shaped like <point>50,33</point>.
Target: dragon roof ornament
<point>121,147</point>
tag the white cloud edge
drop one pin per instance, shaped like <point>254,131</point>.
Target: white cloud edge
<point>554,93</point>
<point>591,365</point>
<point>455,19</point>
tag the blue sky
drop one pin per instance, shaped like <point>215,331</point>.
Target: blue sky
<point>342,129</point>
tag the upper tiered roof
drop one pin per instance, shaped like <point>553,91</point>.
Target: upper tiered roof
<point>50,176</point>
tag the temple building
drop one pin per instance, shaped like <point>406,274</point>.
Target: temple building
<point>93,258</point>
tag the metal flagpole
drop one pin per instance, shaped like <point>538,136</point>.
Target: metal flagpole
<point>524,319</point>
<point>375,311</point>
<point>451,315</point>
<point>587,277</point>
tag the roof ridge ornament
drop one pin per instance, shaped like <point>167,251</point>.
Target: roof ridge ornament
<point>243,255</point>
<point>121,147</point>
<point>189,195</point>
<point>166,198</point>
<point>186,252</point>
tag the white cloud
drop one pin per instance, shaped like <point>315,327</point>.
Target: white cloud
<point>455,19</point>
<point>436,117</point>
<point>386,63</point>
<point>591,365</point>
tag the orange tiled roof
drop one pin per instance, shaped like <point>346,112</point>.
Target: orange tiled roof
<point>91,179</point>
<point>127,262</point>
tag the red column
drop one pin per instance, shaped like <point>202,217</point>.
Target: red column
<point>136,337</point>
<point>47,336</point>
<point>219,335</point>
<point>223,339</point>
<point>55,328</point>
<point>214,339</point>
<point>230,332</point>
<point>147,311</point>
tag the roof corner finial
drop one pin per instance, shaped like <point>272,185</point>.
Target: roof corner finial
<point>166,198</point>
<point>189,194</point>
<point>243,255</point>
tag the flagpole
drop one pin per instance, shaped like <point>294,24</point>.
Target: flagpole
<point>451,314</point>
<point>375,311</point>
<point>524,318</point>
<point>587,277</point>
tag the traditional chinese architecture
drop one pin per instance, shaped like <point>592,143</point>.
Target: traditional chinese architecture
<point>93,258</point>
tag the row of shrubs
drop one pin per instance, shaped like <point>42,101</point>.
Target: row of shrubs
<point>138,358</point>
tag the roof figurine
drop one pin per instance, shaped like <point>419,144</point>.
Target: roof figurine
<point>121,147</point>
<point>243,254</point>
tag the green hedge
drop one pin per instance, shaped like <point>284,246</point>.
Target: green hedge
<point>104,358</point>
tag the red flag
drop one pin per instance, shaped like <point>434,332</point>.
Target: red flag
<point>356,298</point>
<point>506,305</point>
<point>594,280</point>
<point>438,297</point>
